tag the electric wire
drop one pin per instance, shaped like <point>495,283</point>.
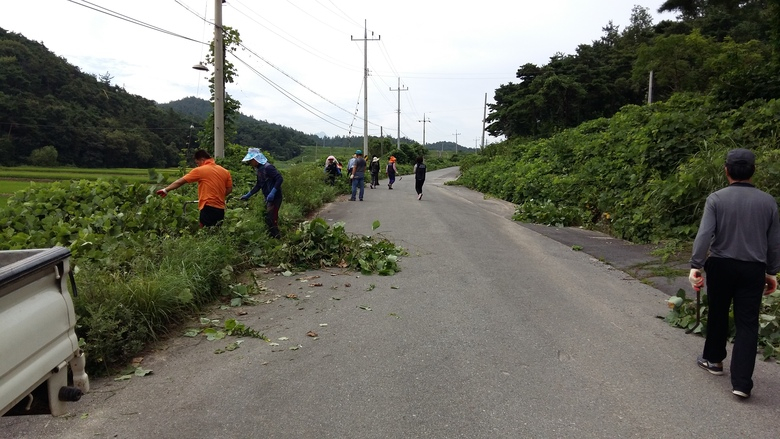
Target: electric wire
<point>109,12</point>
<point>290,96</point>
<point>301,45</point>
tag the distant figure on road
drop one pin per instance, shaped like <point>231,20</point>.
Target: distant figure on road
<point>332,169</point>
<point>358,175</point>
<point>741,231</point>
<point>214,185</point>
<point>374,168</point>
<point>419,176</point>
<point>269,181</point>
<point>350,164</point>
<point>391,170</point>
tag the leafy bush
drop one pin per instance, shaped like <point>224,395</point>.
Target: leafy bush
<point>142,264</point>
<point>682,314</point>
<point>643,174</point>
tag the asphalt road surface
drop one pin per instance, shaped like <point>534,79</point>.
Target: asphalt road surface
<point>491,330</point>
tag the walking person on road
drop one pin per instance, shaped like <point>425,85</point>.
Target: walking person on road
<point>374,168</point>
<point>214,185</point>
<point>419,176</point>
<point>391,170</point>
<point>269,181</point>
<point>358,175</point>
<point>740,229</point>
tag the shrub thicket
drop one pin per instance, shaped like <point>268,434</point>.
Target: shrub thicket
<point>142,264</point>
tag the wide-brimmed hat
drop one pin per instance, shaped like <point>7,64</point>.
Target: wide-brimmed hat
<point>254,153</point>
<point>375,159</point>
<point>392,158</point>
<point>330,157</point>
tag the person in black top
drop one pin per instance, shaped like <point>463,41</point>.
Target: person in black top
<point>269,181</point>
<point>738,247</point>
<point>332,170</point>
<point>374,168</point>
<point>419,176</point>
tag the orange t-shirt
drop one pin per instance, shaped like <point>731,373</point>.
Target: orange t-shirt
<point>213,183</point>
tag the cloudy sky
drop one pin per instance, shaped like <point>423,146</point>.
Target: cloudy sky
<point>301,66</point>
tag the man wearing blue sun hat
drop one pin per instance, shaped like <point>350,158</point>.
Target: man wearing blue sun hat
<point>269,181</point>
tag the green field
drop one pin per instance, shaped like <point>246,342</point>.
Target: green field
<point>32,173</point>
<point>14,179</point>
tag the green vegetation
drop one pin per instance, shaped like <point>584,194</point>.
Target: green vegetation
<point>582,152</point>
<point>142,264</point>
<point>682,314</point>
<point>34,173</point>
<point>727,49</point>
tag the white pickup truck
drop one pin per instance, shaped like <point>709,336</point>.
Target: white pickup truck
<point>38,343</point>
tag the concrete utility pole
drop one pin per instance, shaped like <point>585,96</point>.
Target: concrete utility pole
<point>650,89</point>
<point>399,90</point>
<point>456,140</point>
<point>424,121</point>
<point>484,119</point>
<point>365,41</point>
<point>219,83</point>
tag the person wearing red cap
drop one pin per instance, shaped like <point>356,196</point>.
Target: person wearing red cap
<point>214,185</point>
<point>738,247</point>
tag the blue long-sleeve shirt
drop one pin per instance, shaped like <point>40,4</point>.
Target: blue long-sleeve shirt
<point>739,222</point>
<point>268,178</point>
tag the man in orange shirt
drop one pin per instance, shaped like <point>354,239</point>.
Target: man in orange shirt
<point>214,184</point>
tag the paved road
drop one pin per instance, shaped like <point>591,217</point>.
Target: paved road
<point>492,330</point>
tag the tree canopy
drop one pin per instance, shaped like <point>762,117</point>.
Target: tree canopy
<point>724,48</point>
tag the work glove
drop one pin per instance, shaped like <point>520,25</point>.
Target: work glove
<point>245,197</point>
<point>162,192</point>
<point>271,196</point>
<point>696,279</point>
<point>771,284</point>
<point>351,176</point>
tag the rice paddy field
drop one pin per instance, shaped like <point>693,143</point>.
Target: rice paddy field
<point>18,178</point>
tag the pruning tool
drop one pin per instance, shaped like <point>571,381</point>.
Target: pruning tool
<point>698,308</point>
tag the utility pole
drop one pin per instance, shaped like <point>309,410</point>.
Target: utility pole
<point>650,89</point>
<point>399,90</point>
<point>456,140</point>
<point>484,119</point>
<point>219,83</point>
<point>424,121</point>
<point>365,41</point>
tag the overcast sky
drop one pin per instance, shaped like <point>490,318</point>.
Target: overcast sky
<point>303,68</point>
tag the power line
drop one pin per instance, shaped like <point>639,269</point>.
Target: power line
<point>115,14</point>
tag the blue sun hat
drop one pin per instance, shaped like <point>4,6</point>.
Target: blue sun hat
<point>359,152</point>
<point>254,153</point>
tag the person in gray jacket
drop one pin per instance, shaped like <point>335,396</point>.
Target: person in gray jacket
<point>741,231</point>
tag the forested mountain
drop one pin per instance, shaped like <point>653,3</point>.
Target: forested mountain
<point>283,142</point>
<point>51,109</point>
<point>44,101</point>
<point>725,48</point>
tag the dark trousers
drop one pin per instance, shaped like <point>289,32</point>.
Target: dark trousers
<point>742,283</point>
<point>375,179</point>
<point>272,218</point>
<point>211,216</point>
<point>418,184</point>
